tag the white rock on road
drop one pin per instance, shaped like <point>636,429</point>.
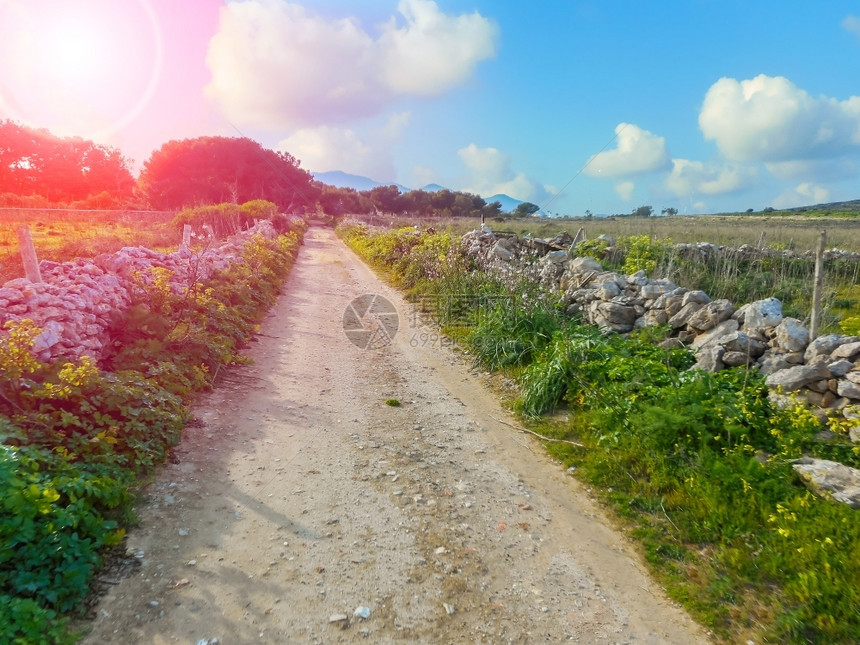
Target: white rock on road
<point>283,484</point>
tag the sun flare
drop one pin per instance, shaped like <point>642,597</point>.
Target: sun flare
<point>73,53</point>
<point>83,68</point>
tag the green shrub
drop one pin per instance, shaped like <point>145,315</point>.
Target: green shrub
<point>199,327</point>
<point>224,219</point>
<point>641,254</point>
<point>698,463</point>
<point>74,438</point>
<point>258,209</point>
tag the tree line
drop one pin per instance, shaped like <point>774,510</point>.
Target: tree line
<point>37,167</point>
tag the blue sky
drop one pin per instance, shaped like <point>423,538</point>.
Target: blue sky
<point>699,105</point>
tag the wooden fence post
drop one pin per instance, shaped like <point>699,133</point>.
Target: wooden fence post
<point>28,255</point>
<point>186,236</point>
<point>817,287</point>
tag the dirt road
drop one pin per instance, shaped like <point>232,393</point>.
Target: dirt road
<point>301,501</point>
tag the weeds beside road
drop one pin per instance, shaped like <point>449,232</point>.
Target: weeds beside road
<point>697,464</point>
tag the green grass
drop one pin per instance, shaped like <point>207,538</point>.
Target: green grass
<point>697,466</point>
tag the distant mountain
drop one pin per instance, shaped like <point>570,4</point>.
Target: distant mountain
<point>340,179</point>
<point>432,188</point>
<point>834,207</point>
<point>508,203</point>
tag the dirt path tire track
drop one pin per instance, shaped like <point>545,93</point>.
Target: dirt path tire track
<point>299,495</point>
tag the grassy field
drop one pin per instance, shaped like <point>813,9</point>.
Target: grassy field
<point>794,232</point>
<point>61,235</point>
<point>734,276</point>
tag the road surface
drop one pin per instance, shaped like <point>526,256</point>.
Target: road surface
<point>302,508</point>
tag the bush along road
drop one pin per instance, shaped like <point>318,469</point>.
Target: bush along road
<point>79,436</point>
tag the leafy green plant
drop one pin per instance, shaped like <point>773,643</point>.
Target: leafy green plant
<point>698,464</point>
<point>75,437</point>
<point>641,254</point>
<point>511,331</point>
<point>595,248</point>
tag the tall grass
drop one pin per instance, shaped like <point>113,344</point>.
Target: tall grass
<point>789,232</point>
<point>63,235</point>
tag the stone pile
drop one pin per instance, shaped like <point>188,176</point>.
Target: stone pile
<point>824,371</point>
<point>76,303</point>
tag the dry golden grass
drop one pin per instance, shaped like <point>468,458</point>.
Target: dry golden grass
<point>62,235</point>
<point>784,232</point>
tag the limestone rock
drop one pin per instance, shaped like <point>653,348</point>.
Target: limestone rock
<point>716,336</point>
<point>608,290</point>
<point>501,252</point>
<point>848,389</point>
<point>822,345</point>
<point>791,335</point>
<point>841,368</point>
<point>736,359</point>
<point>762,314</point>
<point>848,351</point>
<point>681,318</point>
<point>654,317</point>
<point>710,359</point>
<point>698,297</point>
<point>617,317</point>
<point>741,342</point>
<point>711,315</point>
<point>772,362</point>
<point>584,265</point>
<point>830,478</point>
<point>796,377</point>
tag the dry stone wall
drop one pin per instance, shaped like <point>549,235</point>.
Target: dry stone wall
<point>76,303</point>
<point>825,372</point>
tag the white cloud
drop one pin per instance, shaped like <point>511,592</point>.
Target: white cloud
<point>625,189</point>
<point>327,148</point>
<point>490,172</point>
<point>695,177</point>
<point>805,194</point>
<point>638,151</point>
<point>823,170</point>
<point>852,24</point>
<point>433,52</point>
<point>276,64</point>
<point>770,119</point>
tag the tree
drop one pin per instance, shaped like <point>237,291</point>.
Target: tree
<point>443,200</point>
<point>525,209</point>
<point>418,202</point>
<point>492,210</point>
<point>36,162</point>
<point>386,199</point>
<point>669,211</point>
<point>213,170</point>
<point>642,211</point>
